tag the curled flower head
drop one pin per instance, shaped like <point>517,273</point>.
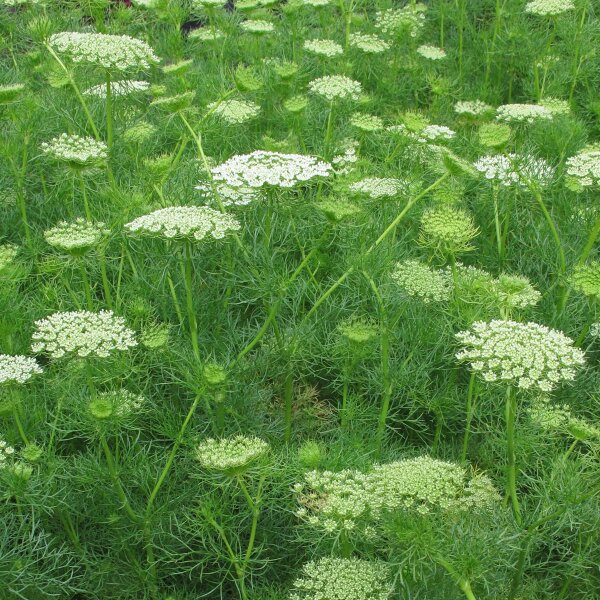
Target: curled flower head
<point>82,334</point>
<point>527,355</point>
<point>76,151</point>
<point>421,281</point>
<point>447,230</point>
<point>119,52</point>
<point>192,222</point>
<point>262,168</point>
<point>76,237</point>
<point>335,87</point>
<point>17,368</point>
<point>231,456</point>
<point>586,279</point>
<point>343,578</point>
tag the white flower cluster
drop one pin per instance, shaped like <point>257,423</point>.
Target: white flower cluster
<point>394,20</point>
<point>584,168</point>
<point>526,354</point>
<point>343,163</point>
<point>75,149</point>
<point>437,133</point>
<point>516,169</point>
<point>270,168</point>
<point>328,48</point>
<point>379,187</point>
<point>549,8</point>
<point>120,52</point>
<point>120,403</point>
<point>77,235</point>
<point>257,26</point>
<point>522,113</point>
<point>231,455</point>
<point>121,88</point>
<point>185,222</point>
<point>368,43</point>
<point>336,87</point>
<point>351,500</point>
<point>316,3</point>
<point>474,108</point>
<point>421,281</point>
<point>82,333</point>
<point>8,253</point>
<point>343,579</point>
<point>431,52</point>
<point>206,34</point>
<point>17,368</point>
<point>366,122</point>
<point>6,453</point>
<point>234,111</point>
<point>229,195</point>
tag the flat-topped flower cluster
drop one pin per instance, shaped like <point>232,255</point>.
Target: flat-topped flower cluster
<point>75,149</point>
<point>17,368</point>
<point>76,235</point>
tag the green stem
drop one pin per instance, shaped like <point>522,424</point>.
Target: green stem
<point>175,301</point>
<point>570,449</point>
<point>288,402</point>
<point>186,268</point>
<point>19,424</point>
<point>109,112</point>
<point>576,60</point>
<point>511,468</point>
<point>105,282</point>
<point>462,582</point>
<point>86,285</point>
<point>470,410</point>
<point>328,132</point>
<point>86,206</point>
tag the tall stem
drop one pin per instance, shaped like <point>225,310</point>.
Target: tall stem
<point>186,267</point>
<point>104,275</point>
<point>109,112</point>
<point>511,467</point>
<point>470,409</point>
<point>86,284</point>
<point>84,196</point>
<point>329,132</point>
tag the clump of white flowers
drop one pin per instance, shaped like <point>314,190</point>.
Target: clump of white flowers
<point>76,236</point>
<point>17,368</point>
<point>437,133</point>
<point>528,355</point>
<point>379,187</point>
<point>329,48</point>
<point>257,26</point>
<point>366,122</point>
<point>474,108</point>
<point>229,195</point>
<point>262,168</point>
<point>368,43</point>
<point>584,168</point>
<point>125,87</point>
<point>8,253</point>
<point>76,150</point>
<point>206,34</point>
<point>234,111</point>
<point>343,579</point>
<point>522,113</point>
<point>550,8</point>
<point>194,222</point>
<point>431,52</point>
<point>116,404</point>
<point>407,18</point>
<point>82,333</point>
<point>421,281</point>
<point>516,169</point>
<point>315,3</point>
<point>6,453</point>
<point>233,455</point>
<point>336,87</point>
<point>119,52</point>
<point>343,163</point>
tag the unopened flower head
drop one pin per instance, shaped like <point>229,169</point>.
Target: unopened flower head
<point>522,113</point>
<point>234,111</point>
<point>431,52</point>
<point>515,291</point>
<point>192,222</point>
<point>262,168</point>
<point>119,52</point>
<point>76,150</point>
<point>396,20</point>
<point>358,331</point>
<point>586,279</point>
<point>116,404</point>
<point>76,236</point>
<point>343,579</point>
<point>527,355</point>
<point>125,87</point>
<point>447,230</point>
<point>82,334</point>
<point>584,168</point>
<point>336,87</point>
<point>368,43</point>
<point>233,455</point>
<point>379,187</point>
<point>516,170</point>
<point>257,26</point>
<point>556,106</point>
<point>17,368</point>
<point>420,281</point>
<point>473,108</point>
<point>8,253</point>
<point>328,48</point>
<point>549,8</point>
<point>366,122</point>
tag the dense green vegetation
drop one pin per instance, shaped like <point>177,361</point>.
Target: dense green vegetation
<point>299,300</point>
